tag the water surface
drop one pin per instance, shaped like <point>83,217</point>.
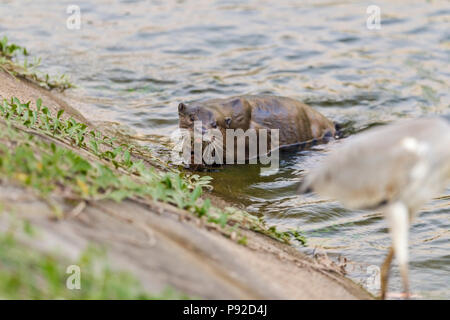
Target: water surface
<point>134,61</point>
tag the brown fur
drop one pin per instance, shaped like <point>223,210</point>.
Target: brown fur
<point>297,122</point>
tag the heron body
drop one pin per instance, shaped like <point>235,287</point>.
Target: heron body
<point>397,168</point>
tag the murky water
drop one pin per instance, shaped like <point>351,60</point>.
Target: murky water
<point>134,61</point>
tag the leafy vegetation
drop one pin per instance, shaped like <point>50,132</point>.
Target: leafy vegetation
<point>9,50</point>
<point>9,62</point>
<point>50,166</point>
<point>106,169</point>
<point>54,154</point>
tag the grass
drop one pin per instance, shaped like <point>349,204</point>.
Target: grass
<point>105,171</point>
<point>42,151</point>
<point>11,53</point>
<point>51,154</point>
<point>29,274</point>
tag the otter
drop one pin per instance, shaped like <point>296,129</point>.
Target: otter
<point>298,123</point>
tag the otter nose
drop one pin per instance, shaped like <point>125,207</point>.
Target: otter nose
<point>201,129</point>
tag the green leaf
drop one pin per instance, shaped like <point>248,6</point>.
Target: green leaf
<point>196,193</point>
<point>126,158</point>
<point>204,209</point>
<point>16,101</point>
<point>60,112</point>
<point>94,146</point>
<point>34,118</point>
<point>118,195</point>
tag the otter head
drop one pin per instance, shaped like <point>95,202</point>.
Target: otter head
<point>212,115</point>
<point>208,117</point>
<point>207,126</point>
<point>233,113</point>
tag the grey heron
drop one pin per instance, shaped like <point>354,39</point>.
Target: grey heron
<point>396,168</point>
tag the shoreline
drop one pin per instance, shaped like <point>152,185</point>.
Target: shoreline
<point>162,245</point>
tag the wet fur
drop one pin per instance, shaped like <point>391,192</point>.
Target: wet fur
<point>299,125</point>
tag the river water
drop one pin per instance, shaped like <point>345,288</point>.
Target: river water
<point>134,61</point>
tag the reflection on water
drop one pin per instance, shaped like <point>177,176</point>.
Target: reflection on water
<point>135,60</point>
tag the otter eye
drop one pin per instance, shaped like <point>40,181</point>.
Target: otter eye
<point>192,118</point>
<point>213,124</point>
<point>227,121</point>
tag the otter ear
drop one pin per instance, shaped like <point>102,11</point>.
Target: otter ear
<point>181,108</point>
<point>227,122</point>
<point>236,102</point>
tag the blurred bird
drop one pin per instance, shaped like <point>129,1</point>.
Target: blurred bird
<point>396,168</point>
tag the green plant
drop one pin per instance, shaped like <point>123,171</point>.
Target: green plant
<point>297,236</point>
<point>106,169</point>
<point>29,274</point>
<point>9,50</point>
<point>9,62</point>
<point>48,166</point>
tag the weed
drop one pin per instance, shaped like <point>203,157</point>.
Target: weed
<point>9,50</point>
<point>9,62</point>
<point>242,241</point>
<point>297,236</point>
<point>106,170</point>
<point>51,167</point>
<point>29,274</point>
